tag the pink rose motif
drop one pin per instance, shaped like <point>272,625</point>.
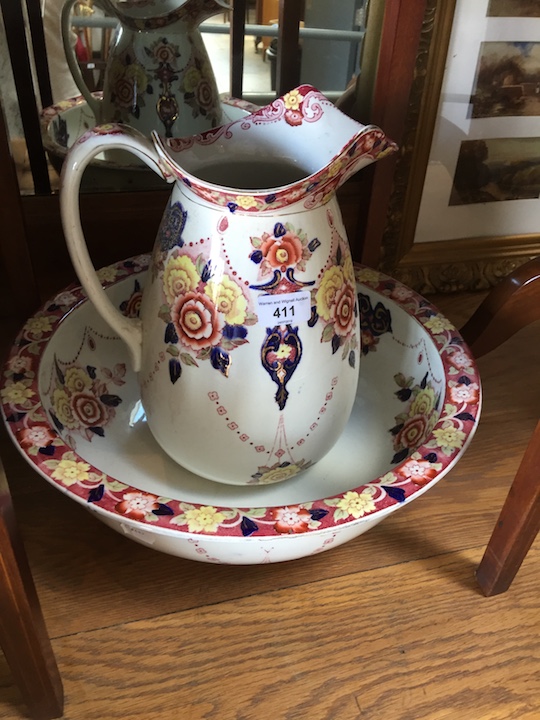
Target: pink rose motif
<point>88,410</point>
<point>133,305</point>
<point>412,434</point>
<point>284,251</point>
<point>205,95</point>
<point>136,505</point>
<point>293,117</point>
<point>125,92</point>
<point>291,520</point>
<point>197,321</point>
<point>342,311</point>
<point>165,52</point>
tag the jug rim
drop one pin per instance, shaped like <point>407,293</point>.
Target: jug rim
<point>366,144</point>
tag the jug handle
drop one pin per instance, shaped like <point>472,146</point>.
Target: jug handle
<point>69,52</point>
<point>93,142</point>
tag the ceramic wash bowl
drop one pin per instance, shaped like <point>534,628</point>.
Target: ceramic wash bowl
<point>71,404</point>
<point>63,123</point>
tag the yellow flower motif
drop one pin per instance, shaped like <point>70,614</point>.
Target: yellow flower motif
<point>423,403</point>
<point>292,100</point>
<point>335,168</point>
<point>136,72</point>
<point>357,504</point>
<point>17,393</point>
<point>278,474</point>
<point>283,351</point>
<point>180,276</point>
<point>331,282</point>
<point>62,407</point>
<point>228,299</point>
<point>367,275</point>
<point>37,325</point>
<point>348,270</point>
<point>204,519</point>
<point>449,438</point>
<point>246,201</point>
<point>438,324</point>
<point>77,380</point>
<point>191,79</point>
<point>70,472</point>
<point>106,274</point>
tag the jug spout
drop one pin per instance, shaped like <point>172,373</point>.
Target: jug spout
<point>298,148</point>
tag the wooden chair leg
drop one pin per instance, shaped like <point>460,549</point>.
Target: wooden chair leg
<point>517,527</point>
<point>23,635</point>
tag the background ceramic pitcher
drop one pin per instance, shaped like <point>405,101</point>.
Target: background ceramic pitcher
<point>248,342</point>
<point>158,74</point>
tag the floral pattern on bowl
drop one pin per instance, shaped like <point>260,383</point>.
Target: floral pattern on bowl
<point>437,418</point>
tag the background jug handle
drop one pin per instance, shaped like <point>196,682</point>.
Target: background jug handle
<point>71,60</point>
<point>106,137</point>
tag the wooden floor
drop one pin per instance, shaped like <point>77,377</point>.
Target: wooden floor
<point>391,626</point>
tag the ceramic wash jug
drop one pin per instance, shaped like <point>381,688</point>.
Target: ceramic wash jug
<point>248,341</point>
<point>158,74</point>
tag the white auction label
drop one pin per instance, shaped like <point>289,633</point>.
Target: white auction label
<point>284,309</point>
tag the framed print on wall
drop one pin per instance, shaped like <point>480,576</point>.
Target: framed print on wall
<point>471,210</point>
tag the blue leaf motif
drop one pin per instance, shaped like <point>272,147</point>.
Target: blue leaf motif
<point>91,371</point>
<point>97,431</point>
<point>404,394</point>
<point>279,230</point>
<point>220,360</point>
<point>465,416</point>
<point>170,334</point>
<point>431,457</point>
<point>16,417</point>
<point>352,359</point>
<point>464,380</point>
<point>110,400</point>
<point>96,493</point>
<point>314,244</point>
<point>400,456</point>
<point>234,332</point>
<point>256,257</point>
<point>163,509</point>
<point>395,492</point>
<point>48,450</point>
<point>207,272</point>
<point>336,341</point>
<point>175,370</point>
<point>318,513</point>
<point>248,526</point>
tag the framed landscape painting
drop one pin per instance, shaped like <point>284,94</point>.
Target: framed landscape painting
<point>471,207</point>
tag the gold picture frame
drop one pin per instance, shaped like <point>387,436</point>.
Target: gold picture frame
<point>459,258</point>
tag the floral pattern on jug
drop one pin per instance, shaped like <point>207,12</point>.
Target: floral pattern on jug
<point>205,317</point>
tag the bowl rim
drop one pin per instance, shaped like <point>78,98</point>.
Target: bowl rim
<point>445,444</point>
